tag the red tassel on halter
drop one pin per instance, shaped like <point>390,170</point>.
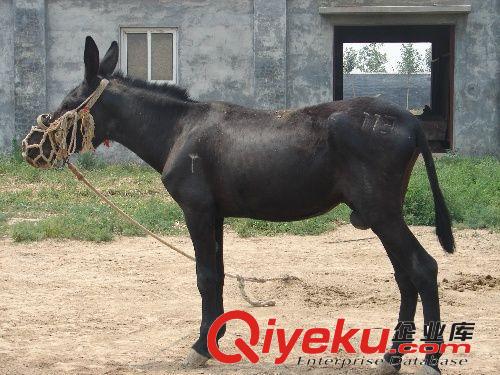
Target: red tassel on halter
<point>106,142</point>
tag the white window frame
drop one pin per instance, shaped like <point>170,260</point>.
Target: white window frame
<point>149,30</point>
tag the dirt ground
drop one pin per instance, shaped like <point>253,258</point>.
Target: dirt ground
<point>131,306</point>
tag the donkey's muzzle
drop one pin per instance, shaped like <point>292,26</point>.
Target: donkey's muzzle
<point>52,141</point>
<point>38,148</point>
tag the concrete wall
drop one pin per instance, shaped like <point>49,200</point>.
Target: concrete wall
<point>391,87</point>
<point>309,54</point>
<point>30,89</point>
<point>265,54</point>
<point>7,130</point>
<point>270,33</point>
<point>476,128</point>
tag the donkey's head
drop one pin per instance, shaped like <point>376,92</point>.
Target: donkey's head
<point>41,145</point>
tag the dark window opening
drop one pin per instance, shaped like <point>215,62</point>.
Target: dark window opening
<point>437,117</point>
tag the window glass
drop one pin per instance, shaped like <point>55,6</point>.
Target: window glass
<point>137,55</point>
<point>161,56</point>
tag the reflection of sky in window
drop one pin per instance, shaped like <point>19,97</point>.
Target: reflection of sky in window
<point>392,50</point>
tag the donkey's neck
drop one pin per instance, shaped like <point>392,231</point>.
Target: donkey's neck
<point>145,122</point>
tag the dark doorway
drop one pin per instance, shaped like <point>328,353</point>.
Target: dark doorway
<point>438,117</point>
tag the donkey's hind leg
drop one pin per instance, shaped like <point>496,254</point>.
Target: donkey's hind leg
<point>407,308</point>
<point>413,267</point>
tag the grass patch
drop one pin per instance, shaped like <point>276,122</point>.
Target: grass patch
<point>3,224</point>
<point>471,188</point>
<point>89,161</point>
<point>65,208</point>
<point>312,226</point>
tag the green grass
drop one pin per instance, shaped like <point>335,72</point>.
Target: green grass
<point>53,204</point>
<point>315,225</point>
<point>37,204</point>
<point>471,187</point>
<point>3,224</point>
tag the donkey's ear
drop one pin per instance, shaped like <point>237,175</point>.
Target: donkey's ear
<point>91,59</point>
<point>108,63</point>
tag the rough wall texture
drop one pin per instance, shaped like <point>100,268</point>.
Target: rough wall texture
<point>477,81</point>
<point>268,54</point>
<point>7,130</point>
<point>388,19</point>
<point>29,62</point>
<point>309,54</point>
<point>390,2</point>
<point>391,87</point>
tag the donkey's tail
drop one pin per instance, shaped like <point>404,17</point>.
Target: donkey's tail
<point>443,220</point>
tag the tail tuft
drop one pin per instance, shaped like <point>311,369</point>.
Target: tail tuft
<point>443,226</point>
<point>443,219</point>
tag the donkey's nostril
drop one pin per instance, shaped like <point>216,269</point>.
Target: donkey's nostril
<point>46,119</point>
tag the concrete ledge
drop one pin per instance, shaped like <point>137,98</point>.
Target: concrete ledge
<point>396,10</point>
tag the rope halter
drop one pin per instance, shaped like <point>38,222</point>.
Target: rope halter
<point>62,132</point>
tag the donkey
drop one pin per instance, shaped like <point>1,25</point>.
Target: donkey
<point>221,160</point>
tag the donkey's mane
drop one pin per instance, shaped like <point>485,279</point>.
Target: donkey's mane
<point>168,89</point>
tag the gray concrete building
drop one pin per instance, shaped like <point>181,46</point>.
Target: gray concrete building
<point>258,53</point>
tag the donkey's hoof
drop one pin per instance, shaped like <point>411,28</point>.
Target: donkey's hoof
<point>427,370</point>
<point>194,360</point>
<point>385,368</point>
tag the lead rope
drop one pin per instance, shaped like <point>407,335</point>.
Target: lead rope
<point>241,280</point>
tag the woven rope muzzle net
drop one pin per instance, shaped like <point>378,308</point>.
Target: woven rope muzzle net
<point>61,134</point>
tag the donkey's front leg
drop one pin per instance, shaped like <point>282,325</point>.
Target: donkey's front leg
<point>205,229</point>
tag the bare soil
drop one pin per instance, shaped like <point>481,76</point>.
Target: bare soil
<point>131,306</point>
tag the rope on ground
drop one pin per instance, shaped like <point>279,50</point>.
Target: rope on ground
<point>355,239</point>
<point>241,280</point>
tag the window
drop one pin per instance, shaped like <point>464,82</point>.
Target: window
<point>149,54</point>
<point>437,116</point>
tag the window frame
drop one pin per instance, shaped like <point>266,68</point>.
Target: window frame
<point>124,31</point>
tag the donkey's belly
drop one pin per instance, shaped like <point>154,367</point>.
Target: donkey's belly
<point>279,189</point>
<point>275,212</point>
<point>280,206</point>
